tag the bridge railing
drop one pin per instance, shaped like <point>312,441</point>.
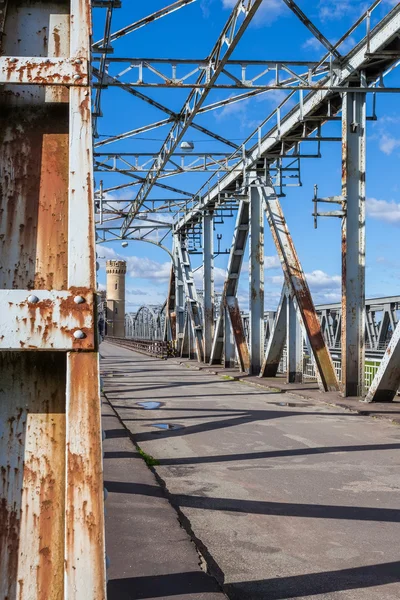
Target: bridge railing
<point>158,348</point>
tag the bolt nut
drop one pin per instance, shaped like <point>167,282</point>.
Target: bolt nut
<point>79,335</point>
<point>33,299</point>
<point>79,299</point>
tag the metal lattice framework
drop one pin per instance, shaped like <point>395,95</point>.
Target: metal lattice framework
<point>247,179</point>
<point>52,87</point>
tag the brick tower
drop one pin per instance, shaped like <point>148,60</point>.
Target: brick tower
<point>116,271</point>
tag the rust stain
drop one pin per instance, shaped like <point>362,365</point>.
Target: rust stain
<point>85,511</point>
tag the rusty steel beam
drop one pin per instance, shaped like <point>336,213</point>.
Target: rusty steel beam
<point>353,243</point>
<point>236,326</point>
<point>297,284</point>
<point>225,329</point>
<point>51,490</point>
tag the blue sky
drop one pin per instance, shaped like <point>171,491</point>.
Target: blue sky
<point>275,34</point>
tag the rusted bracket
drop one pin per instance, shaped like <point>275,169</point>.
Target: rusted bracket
<point>44,71</point>
<point>47,320</point>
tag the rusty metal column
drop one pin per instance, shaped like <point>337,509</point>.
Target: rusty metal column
<point>208,283</point>
<point>353,243</point>
<point>51,492</point>
<point>256,278</point>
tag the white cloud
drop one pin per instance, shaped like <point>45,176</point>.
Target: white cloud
<point>388,143</point>
<point>319,280</point>
<point>313,44</point>
<point>382,210</point>
<point>268,12</point>
<point>330,11</point>
<point>272,262</point>
<point>143,268</point>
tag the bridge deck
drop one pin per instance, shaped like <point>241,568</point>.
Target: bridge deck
<point>285,497</point>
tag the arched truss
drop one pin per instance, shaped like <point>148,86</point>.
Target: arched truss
<point>147,323</point>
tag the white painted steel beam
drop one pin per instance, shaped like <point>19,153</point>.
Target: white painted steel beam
<point>353,243</point>
<point>51,495</point>
<point>237,23</point>
<point>356,60</point>
<point>386,382</point>
<point>208,284</point>
<point>256,279</point>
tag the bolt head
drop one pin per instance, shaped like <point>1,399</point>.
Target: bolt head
<point>79,335</point>
<point>33,299</point>
<point>79,299</point>
<point>76,77</point>
<point>78,61</point>
<point>13,60</point>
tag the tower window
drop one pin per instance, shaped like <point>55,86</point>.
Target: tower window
<point>116,286</point>
<point>116,310</point>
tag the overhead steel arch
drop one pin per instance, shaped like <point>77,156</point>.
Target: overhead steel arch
<point>147,323</point>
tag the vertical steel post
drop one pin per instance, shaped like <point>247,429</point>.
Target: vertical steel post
<point>294,344</point>
<point>229,343</point>
<point>256,279</point>
<point>51,492</point>
<point>230,317</point>
<point>192,304</point>
<point>179,296</point>
<point>208,283</point>
<point>353,243</point>
<point>277,339</point>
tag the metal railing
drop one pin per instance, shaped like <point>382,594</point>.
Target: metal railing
<point>157,348</point>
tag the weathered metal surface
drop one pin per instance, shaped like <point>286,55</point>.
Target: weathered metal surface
<point>84,515</point>
<point>353,243</point>
<point>232,307</point>
<point>32,474</point>
<point>277,339</point>
<point>43,71</point>
<point>297,284</point>
<point>50,322</point>
<point>256,280</point>
<point>222,341</point>
<point>34,238</point>
<point>294,344</point>
<point>192,301</point>
<point>179,296</point>
<point>208,284</point>
<point>170,316</point>
<point>387,379</point>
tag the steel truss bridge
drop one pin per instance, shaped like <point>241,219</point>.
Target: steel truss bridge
<point>381,318</point>
<point>54,78</point>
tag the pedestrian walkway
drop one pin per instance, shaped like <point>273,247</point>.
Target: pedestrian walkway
<point>284,497</point>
